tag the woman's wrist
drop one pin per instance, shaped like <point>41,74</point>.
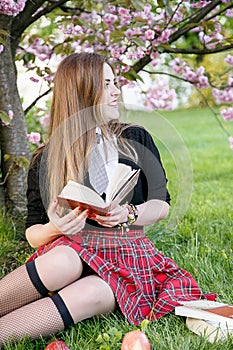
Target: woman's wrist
<point>132,215</point>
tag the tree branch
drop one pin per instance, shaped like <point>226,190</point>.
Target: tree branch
<point>199,52</point>
<point>36,100</point>
<point>185,28</point>
<point>30,15</point>
<point>200,93</point>
<point>217,13</point>
<point>194,20</point>
<point>213,112</point>
<point>183,79</point>
<point>168,74</point>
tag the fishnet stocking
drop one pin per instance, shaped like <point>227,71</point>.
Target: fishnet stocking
<point>40,318</point>
<point>16,290</point>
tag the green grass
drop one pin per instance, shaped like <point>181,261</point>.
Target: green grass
<point>198,235</point>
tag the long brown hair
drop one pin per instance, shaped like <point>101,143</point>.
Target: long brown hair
<point>75,113</point>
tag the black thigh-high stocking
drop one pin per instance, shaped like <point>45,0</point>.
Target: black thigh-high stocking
<point>40,318</point>
<point>20,287</point>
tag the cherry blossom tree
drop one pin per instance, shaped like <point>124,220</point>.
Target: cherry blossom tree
<point>137,35</point>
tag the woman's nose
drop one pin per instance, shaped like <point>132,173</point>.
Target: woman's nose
<point>116,91</point>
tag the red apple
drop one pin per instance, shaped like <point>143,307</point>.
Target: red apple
<point>135,340</point>
<point>57,345</point>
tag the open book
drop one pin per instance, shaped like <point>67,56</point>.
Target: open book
<point>75,194</point>
<point>211,311</point>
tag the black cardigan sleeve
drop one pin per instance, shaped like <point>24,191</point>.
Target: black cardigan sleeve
<point>152,181</point>
<point>36,213</point>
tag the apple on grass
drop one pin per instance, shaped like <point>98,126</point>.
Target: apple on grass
<point>57,345</point>
<point>135,340</point>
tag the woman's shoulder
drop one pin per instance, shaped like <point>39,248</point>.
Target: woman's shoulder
<point>136,132</point>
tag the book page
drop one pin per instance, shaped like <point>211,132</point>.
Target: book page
<point>207,310</point>
<point>202,304</point>
<point>81,193</point>
<point>122,172</point>
<point>221,325</point>
<point>125,188</point>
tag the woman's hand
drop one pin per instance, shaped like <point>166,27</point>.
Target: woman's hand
<point>148,213</point>
<point>70,223</point>
<point>116,216</point>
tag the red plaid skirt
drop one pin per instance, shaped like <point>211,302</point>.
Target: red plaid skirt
<point>146,284</point>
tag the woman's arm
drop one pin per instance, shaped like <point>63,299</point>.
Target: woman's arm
<point>40,234</point>
<point>148,213</point>
<point>152,211</point>
<point>70,224</point>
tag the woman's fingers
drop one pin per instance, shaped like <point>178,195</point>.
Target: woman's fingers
<point>70,223</point>
<point>113,218</point>
<point>52,210</point>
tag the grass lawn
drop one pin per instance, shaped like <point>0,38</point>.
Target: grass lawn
<point>198,235</point>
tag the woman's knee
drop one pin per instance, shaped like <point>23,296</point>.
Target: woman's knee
<point>88,297</point>
<point>98,291</point>
<point>59,267</point>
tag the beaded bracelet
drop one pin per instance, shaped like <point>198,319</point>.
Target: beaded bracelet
<point>132,216</point>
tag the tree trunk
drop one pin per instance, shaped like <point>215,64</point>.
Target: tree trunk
<point>13,140</point>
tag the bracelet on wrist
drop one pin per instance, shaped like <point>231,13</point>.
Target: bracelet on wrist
<point>132,215</point>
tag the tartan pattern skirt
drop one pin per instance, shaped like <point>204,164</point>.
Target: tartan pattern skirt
<point>146,284</point>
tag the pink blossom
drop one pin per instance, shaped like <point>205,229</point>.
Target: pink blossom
<point>40,49</point>
<point>106,37</point>
<point>230,80</point>
<point>45,120</point>
<point>123,81</point>
<point>177,65</point>
<point>147,9</point>
<point>73,30</point>
<point>197,29</point>
<point>164,37</point>
<point>231,142</point>
<point>211,40</point>
<point>189,74</point>
<point>200,4</point>
<point>227,113</point>
<point>154,55</point>
<point>178,16</point>
<point>229,13</point>
<point>229,59</point>
<point>109,19</point>
<point>203,82</point>
<point>149,34</point>
<point>223,96</point>
<point>155,62</point>
<point>125,16</point>
<point>12,7</point>
<point>131,55</point>
<point>125,69</point>
<point>129,33</point>
<point>34,137</point>
<point>10,114</point>
<point>112,9</point>
<point>1,48</point>
<point>34,80</point>
<point>161,97</point>
<point>123,11</point>
<point>197,78</point>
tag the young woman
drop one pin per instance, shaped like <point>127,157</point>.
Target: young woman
<point>88,264</point>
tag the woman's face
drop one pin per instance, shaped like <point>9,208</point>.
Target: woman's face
<point>111,94</point>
